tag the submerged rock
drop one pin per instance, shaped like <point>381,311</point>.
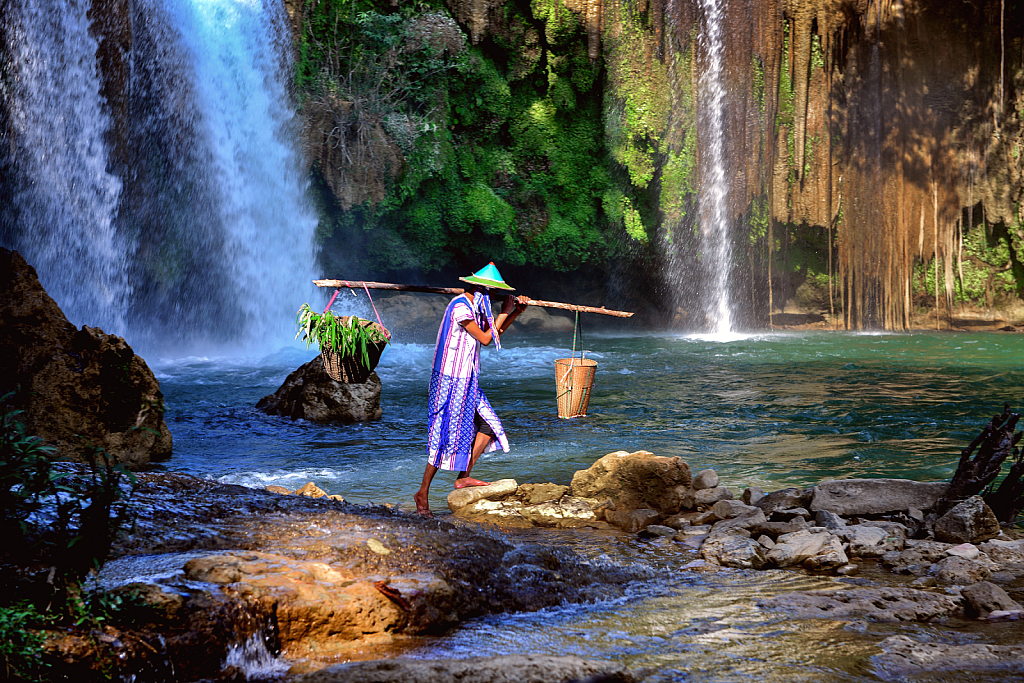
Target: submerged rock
<point>984,598</point>
<point>905,658</point>
<point>310,394</point>
<point>876,604</point>
<point>504,669</point>
<point>82,389</point>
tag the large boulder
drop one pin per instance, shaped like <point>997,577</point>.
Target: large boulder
<point>80,389</point>
<point>893,604</point>
<point>310,394</point>
<point>634,481</point>
<point>971,521</point>
<point>875,496</point>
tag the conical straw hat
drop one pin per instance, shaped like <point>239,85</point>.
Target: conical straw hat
<point>488,276</point>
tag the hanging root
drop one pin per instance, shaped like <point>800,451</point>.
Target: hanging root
<point>996,442</point>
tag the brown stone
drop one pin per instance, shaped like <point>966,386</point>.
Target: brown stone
<point>80,388</point>
<point>310,394</point>
<point>635,481</point>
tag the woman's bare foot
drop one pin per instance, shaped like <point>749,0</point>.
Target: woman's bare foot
<point>467,481</point>
<point>422,505</point>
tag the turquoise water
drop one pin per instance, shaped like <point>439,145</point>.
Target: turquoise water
<point>768,410</point>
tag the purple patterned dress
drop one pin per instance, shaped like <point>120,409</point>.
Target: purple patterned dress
<point>455,394</point>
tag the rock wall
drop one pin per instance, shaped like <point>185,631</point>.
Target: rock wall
<point>78,388</point>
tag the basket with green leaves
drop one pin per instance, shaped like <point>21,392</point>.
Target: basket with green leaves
<point>351,347</point>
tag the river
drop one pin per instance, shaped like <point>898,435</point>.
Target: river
<point>772,410</point>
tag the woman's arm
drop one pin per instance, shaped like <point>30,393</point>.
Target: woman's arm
<point>511,309</point>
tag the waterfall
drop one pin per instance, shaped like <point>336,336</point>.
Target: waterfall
<point>59,197</point>
<point>716,243</point>
<point>182,225</point>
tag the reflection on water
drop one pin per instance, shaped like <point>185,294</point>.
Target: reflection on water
<point>771,410</point>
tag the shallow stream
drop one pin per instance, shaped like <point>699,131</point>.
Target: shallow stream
<point>769,410</point>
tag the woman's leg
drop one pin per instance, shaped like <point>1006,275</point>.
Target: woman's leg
<point>481,442</point>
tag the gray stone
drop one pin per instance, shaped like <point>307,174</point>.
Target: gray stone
<point>496,490</point>
<point>848,569</point>
<point>657,531</point>
<point>694,530</point>
<point>789,514</point>
<point>766,541</point>
<point>905,658</point>
<point>736,524</point>
<point>829,520</point>
<point>566,512</point>
<point>752,494</point>
<point>893,604</point>
<point>705,479</point>
<point>712,495</point>
<point>502,669</point>
<point>733,551</point>
<point>983,598</point>
<point>535,494</point>
<point>680,520</point>
<point>916,555</point>
<point>783,499</point>
<point>725,509</point>
<point>792,549</point>
<point>635,481</point>
<point>875,496</point>
<point>965,550</point>
<point>971,521</point>
<point>831,556</point>
<point>776,529</point>
<point>871,541</point>
<point>961,572</point>
<point>1008,555</point>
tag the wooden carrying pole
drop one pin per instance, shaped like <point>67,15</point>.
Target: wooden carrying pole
<point>358,284</point>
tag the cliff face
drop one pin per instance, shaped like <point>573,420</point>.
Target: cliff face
<point>871,145</point>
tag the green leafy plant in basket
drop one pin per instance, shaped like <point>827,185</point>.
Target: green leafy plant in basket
<point>347,336</point>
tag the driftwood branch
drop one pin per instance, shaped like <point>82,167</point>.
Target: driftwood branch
<point>996,442</point>
<point>358,284</point>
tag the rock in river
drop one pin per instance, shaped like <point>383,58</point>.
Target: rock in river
<point>81,388</point>
<point>309,393</point>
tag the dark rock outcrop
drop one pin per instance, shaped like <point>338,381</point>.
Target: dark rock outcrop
<point>79,388</point>
<point>505,669</point>
<point>309,393</point>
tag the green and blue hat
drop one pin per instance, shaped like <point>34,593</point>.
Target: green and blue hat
<point>489,277</point>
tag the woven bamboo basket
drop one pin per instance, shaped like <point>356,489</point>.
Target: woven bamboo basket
<point>350,369</point>
<point>574,378</point>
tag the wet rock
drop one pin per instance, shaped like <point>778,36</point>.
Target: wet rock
<point>875,604</point>
<point>831,556</point>
<point>632,520</point>
<point>984,598</point>
<point>80,388</point>
<point>752,494</point>
<point>706,497</point>
<point>695,530</point>
<point>310,394</point>
<point>680,520</point>
<point>971,521</point>
<point>274,488</point>
<point>503,669</point>
<point>496,490</point>
<point>905,658</point>
<point>724,509</point>
<point>733,551</point>
<point>534,494</point>
<point>961,572</point>
<point>871,541</point>
<point>916,554</point>
<point>795,548</point>
<point>635,481</point>
<point>507,514</point>
<point>848,570</point>
<point>790,514</point>
<point>311,490</point>
<point>657,531</point>
<point>784,499</point>
<point>565,513</point>
<point>705,479</point>
<point>875,496</point>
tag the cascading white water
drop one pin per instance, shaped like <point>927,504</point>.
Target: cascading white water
<point>63,197</point>
<point>200,235</point>
<point>238,51</point>
<point>714,191</point>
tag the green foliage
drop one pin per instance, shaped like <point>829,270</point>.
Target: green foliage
<point>817,53</point>
<point>21,646</point>
<point>759,218</point>
<point>25,477</point>
<point>347,336</point>
<point>987,265</point>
